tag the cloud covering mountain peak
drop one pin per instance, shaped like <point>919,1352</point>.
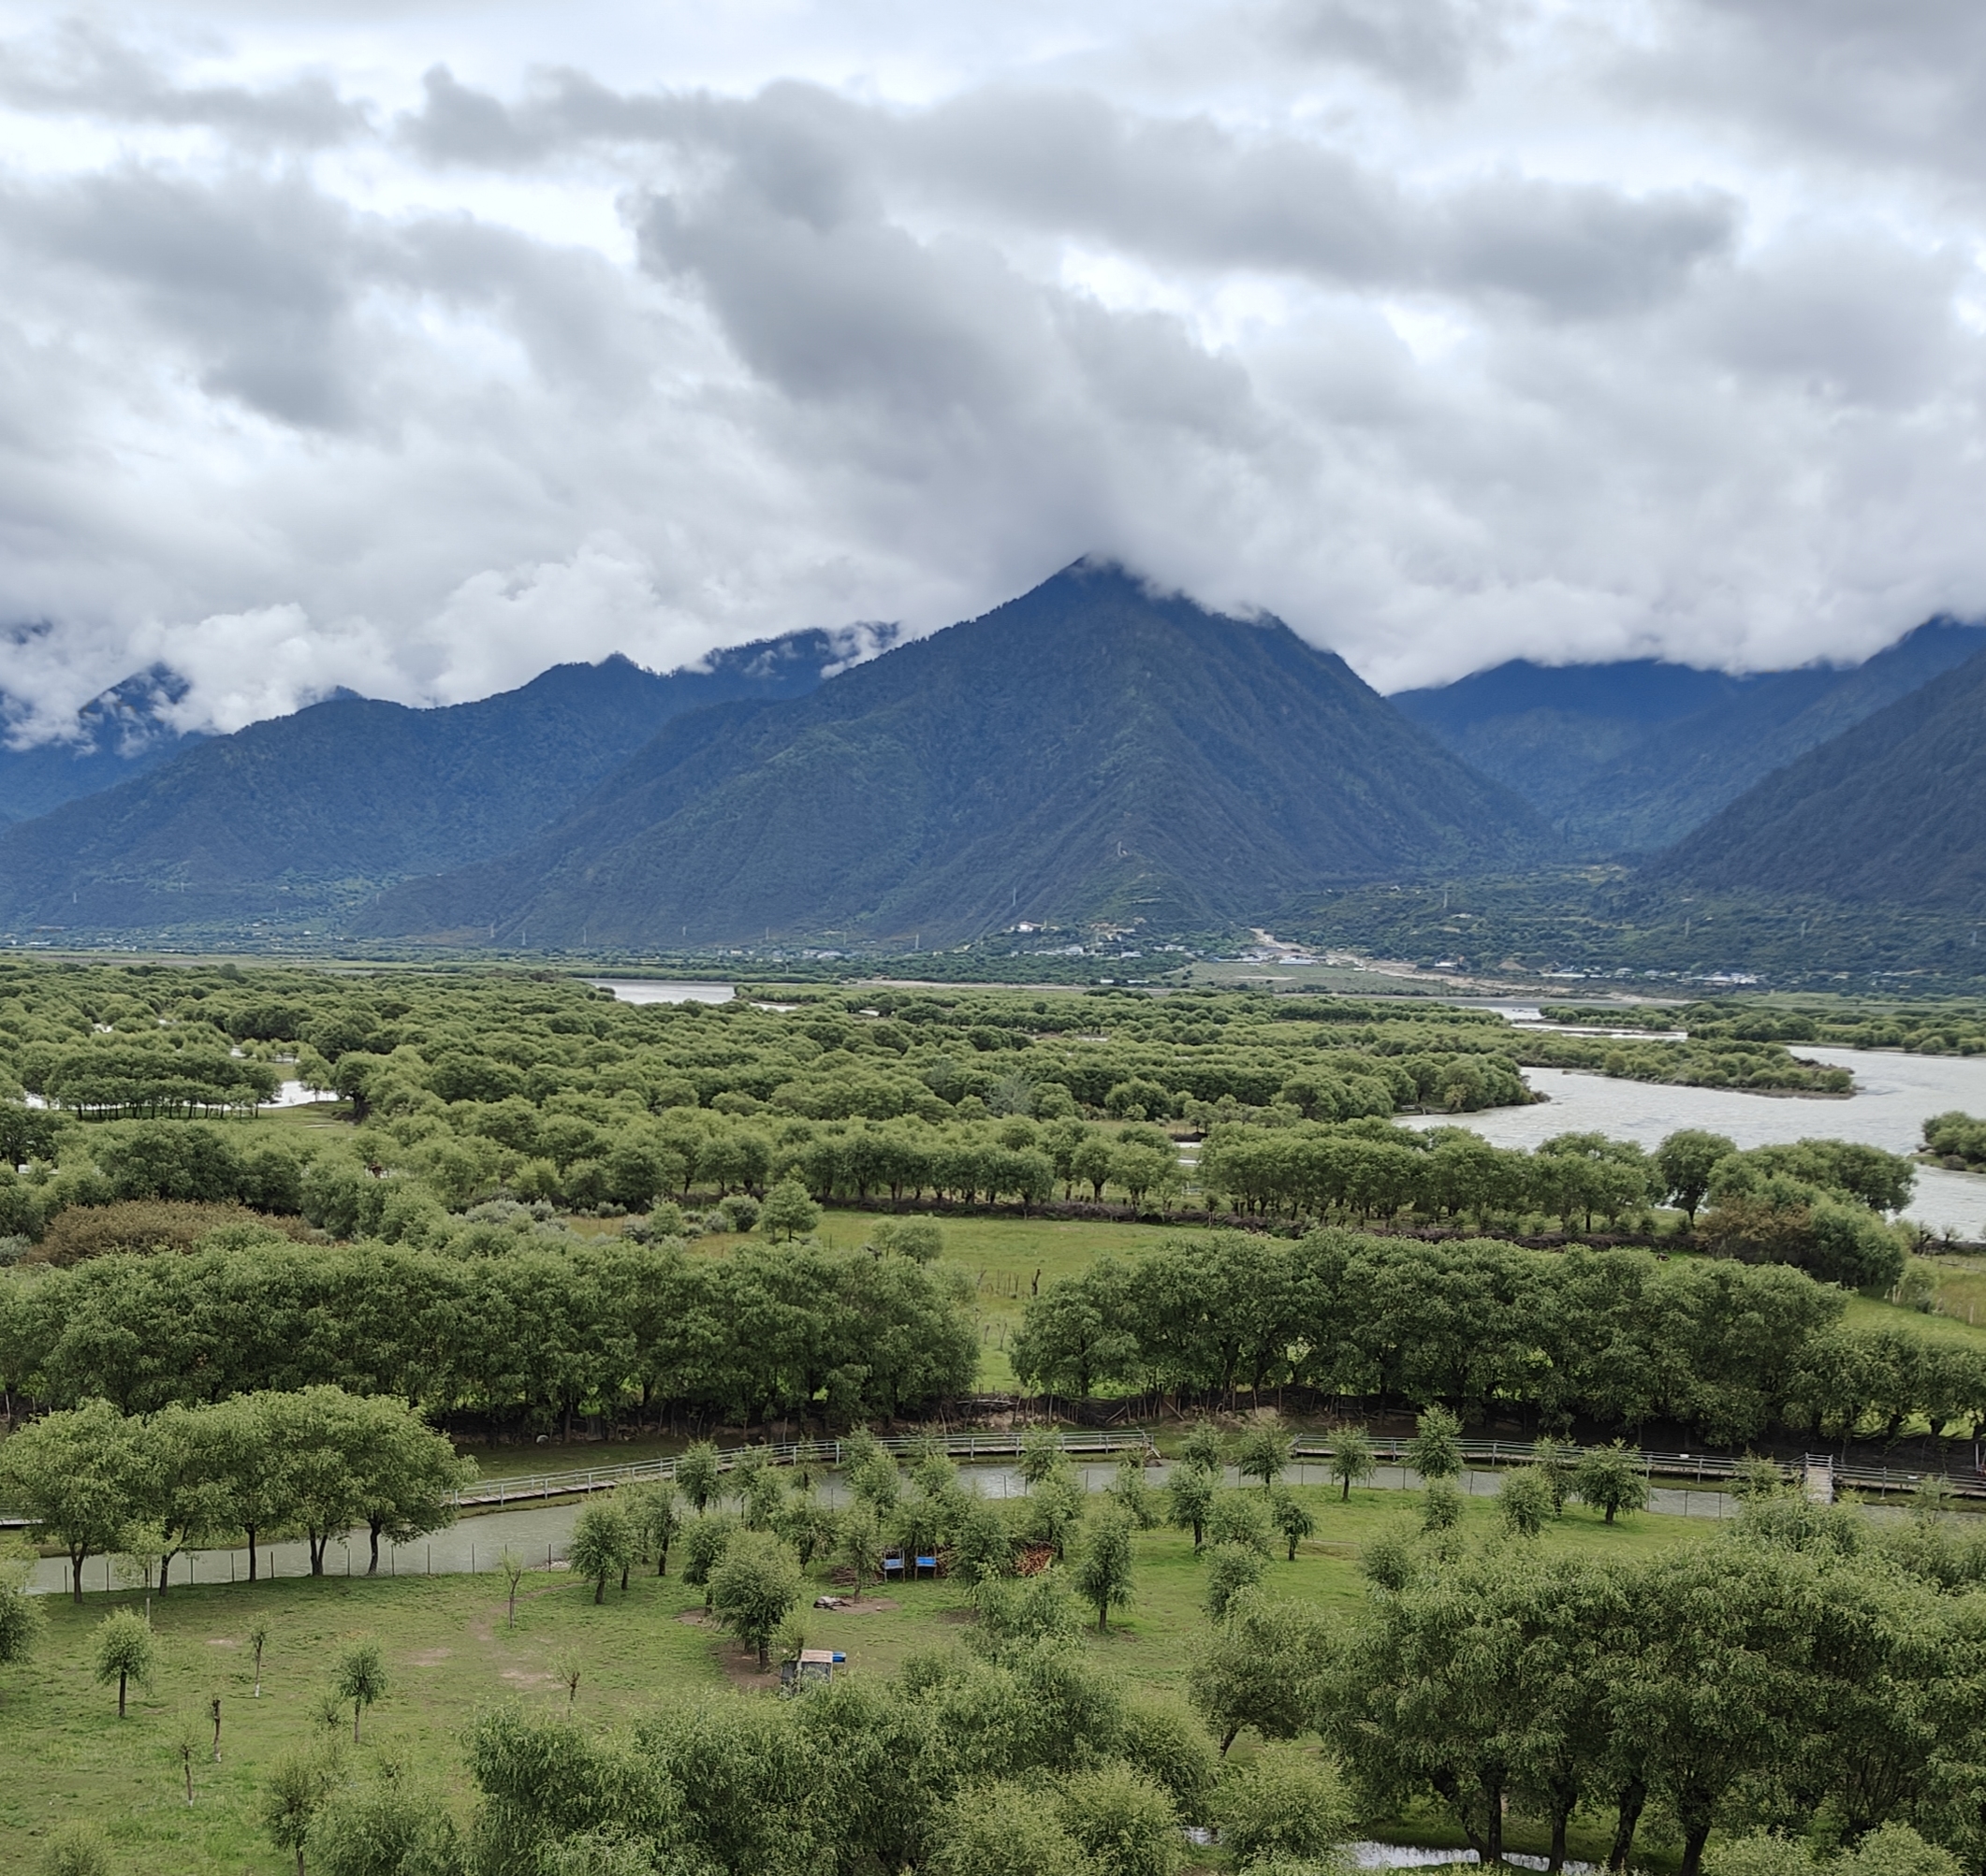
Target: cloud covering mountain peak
<point>361,348</point>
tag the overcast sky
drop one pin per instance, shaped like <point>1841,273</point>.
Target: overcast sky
<point>416,347</point>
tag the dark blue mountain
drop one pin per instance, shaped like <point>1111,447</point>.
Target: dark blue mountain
<point>117,735</point>
<point>1627,758</point>
<point>300,817</point>
<point>1891,811</point>
<point>1090,751</point>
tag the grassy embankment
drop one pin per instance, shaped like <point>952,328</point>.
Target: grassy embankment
<point>449,1653</point>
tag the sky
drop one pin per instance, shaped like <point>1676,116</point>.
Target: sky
<point>414,347</point>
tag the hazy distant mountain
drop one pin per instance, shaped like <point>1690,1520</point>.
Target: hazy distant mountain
<point>1089,749</point>
<point>1893,811</point>
<point>301,815</point>
<point>1629,757</point>
<point>117,735</point>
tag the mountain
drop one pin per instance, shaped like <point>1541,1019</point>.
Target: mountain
<point>303,816</point>
<point>117,735</point>
<point>1627,758</point>
<point>1088,751</point>
<point>1893,811</point>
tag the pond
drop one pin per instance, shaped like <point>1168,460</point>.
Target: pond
<point>1894,1095</point>
<point>659,989</point>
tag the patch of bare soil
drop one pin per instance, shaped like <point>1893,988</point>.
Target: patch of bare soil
<point>430,1657</point>
<point>741,1669</point>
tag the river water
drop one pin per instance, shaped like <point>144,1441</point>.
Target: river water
<point>1894,1095</point>
<point>655,990</point>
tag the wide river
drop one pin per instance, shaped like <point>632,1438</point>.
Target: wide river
<point>1894,1095</point>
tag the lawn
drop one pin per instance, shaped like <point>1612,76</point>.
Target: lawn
<point>449,1653</point>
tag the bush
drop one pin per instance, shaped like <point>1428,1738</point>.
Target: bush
<point>1527,1502</point>
<point>1003,1830</point>
<point>1284,1802</point>
<point>143,1226</point>
<point>1122,1822</point>
<point>1231,1568</point>
<point>77,1849</point>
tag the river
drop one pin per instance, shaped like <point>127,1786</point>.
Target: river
<point>657,990</point>
<point>1894,1095</point>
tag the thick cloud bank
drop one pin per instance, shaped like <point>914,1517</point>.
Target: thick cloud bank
<point>414,348</point>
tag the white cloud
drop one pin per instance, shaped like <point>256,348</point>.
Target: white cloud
<point>413,349</point>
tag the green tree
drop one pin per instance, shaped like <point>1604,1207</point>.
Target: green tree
<point>1230,1569</point>
<point>1290,1517</point>
<point>1264,1666</point>
<point>602,1547</point>
<point>1103,1574</point>
<point>407,1475</point>
<point>1441,1507</point>
<point>1133,1495</point>
<point>78,1475</point>
<point>1205,1446</point>
<point>1263,1452</point>
<point>361,1679</point>
<point>386,1828</point>
<point>1284,1803</point>
<point>125,1652</point>
<point>788,1212</point>
<point>20,1620</point>
<point>1003,1830</point>
<point>1612,1479</point>
<point>1041,1455</point>
<point>511,1567</point>
<point>1527,1502</point>
<point>699,1474</point>
<point>656,1516</point>
<point>753,1589</point>
<point>1053,1511</point>
<point>703,1543</point>
<point>1122,1821</point>
<point>1685,1162</point>
<point>1240,1518</point>
<point>1190,1494</point>
<point>298,1784</point>
<point>1436,1449</point>
<point>1352,1459</point>
<point>858,1542</point>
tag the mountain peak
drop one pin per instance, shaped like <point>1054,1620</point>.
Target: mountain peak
<point>1088,748</point>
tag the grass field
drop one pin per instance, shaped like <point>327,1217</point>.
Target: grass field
<point>449,1653</point>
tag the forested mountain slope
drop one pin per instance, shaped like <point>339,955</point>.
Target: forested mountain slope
<point>1629,757</point>
<point>1086,750</point>
<point>1893,811</point>
<point>300,816</point>
<point>120,734</point>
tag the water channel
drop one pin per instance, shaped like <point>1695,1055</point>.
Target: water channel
<point>1894,1095</point>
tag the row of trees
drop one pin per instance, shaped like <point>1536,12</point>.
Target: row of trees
<point>529,1338</point>
<point>1616,1336</point>
<point>319,1461</point>
<point>1795,1678</point>
<point>1813,1204</point>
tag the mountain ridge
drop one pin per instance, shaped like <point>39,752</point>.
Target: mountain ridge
<point>300,817</point>
<point>1087,749</point>
<point>1891,811</point>
<point>1627,758</point>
